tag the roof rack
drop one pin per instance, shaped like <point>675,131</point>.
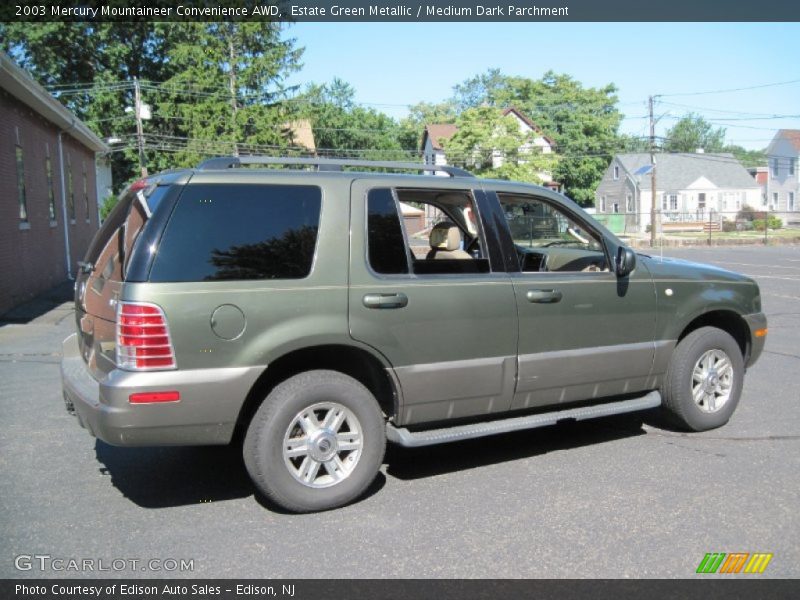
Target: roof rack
<point>327,164</point>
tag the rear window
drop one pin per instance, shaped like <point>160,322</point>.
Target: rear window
<point>111,247</point>
<point>240,231</point>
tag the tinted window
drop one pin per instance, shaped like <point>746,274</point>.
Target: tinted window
<point>387,252</point>
<point>222,232</point>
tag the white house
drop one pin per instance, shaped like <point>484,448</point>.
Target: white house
<point>783,184</point>
<point>690,188</point>
<point>436,135</point>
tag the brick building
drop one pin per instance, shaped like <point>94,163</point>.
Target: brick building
<point>48,191</point>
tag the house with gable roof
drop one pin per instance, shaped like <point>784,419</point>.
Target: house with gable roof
<point>783,183</point>
<point>435,137</point>
<point>690,188</point>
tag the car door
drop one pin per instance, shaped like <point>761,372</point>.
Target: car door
<point>448,326</point>
<point>584,333</point>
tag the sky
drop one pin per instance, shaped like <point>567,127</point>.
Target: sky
<point>392,65</point>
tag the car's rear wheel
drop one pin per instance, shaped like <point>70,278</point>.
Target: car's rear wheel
<point>316,442</point>
<point>704,379</point>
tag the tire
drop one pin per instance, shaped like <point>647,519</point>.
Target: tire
<point>706,364</point>
<point>316,442</point>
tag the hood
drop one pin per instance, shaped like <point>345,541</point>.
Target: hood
<point>678,268</point>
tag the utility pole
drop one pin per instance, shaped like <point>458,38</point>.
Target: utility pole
<point>652,175</point>
<point>137,110</point>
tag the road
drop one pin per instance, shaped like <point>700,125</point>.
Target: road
<point>619,497</point>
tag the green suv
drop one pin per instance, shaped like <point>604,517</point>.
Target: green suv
<point>317,311</point>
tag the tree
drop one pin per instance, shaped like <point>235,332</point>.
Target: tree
<point>490,88</point>
<point>226,91</point>
<point>484,135</point>
<point>420,115</point>
<point>343,127</point>
<point>692,132</point>
<point>583,122</point>
<point>748,158</point>
<point>209,84</point>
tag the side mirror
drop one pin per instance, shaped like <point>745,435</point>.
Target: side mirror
<point>626,261</point>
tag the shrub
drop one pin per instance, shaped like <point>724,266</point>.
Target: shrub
<point>109,202</point>
<point>772,222</point>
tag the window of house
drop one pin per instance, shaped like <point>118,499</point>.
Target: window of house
<point>240,232</point>
<point>792,162</point>
<point>673,202</point>
<point>616,172</point>
<point>774,200</point>
<point>70,192</point>
<point>774,167</point>
<point>615,207</point>
<point>51,194</point>
<point>21,197</point>
<point>85,195</point>
<point>424,232</point>
<point>602,204</point>
<point>790,201</point>
<point>763,199</point>
<point>629,203</point>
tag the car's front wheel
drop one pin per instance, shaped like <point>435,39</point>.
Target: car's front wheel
<point>704,379</point>
<point>316,442</point>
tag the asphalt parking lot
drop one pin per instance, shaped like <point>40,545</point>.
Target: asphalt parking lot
<point>619,497</point>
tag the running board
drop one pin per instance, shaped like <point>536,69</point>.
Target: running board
<point>409,439</point>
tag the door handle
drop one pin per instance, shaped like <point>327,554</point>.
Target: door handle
<point>398,300</point>
<point>544,296</point>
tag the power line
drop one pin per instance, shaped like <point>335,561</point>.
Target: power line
<point>718,110</point>
<point>729,90</point>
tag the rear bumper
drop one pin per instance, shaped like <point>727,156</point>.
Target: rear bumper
<point>205,415</point>
<point>755,322</point>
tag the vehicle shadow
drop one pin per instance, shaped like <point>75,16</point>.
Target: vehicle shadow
<point>175,476</point>
<point>180,476</point>
<point>40,306</point>
<point>184,475</point>
<point>416,463</point>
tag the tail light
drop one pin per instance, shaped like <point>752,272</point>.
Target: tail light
<point>143,340</point>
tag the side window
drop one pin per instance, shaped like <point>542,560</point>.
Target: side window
<point>425,232</point>
<point>385,242</point>
<point>225,232</point>
<point>547,238</point>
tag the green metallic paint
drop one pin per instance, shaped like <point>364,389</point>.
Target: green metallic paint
<point>464,345</point>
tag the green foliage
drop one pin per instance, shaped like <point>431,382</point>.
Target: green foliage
<point>227,85</point>
<point>109,202</point>
<point>758,218</point>
<point>632,144</point>
<point>748,213</point>
<point>772,222</point>
<point>484,134</point>
<point>420,115</point>
<point>692,132</point>
<point>582,122</point>
<point>340,123</point>
<point>219,82</point>
<point>748,158</point>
